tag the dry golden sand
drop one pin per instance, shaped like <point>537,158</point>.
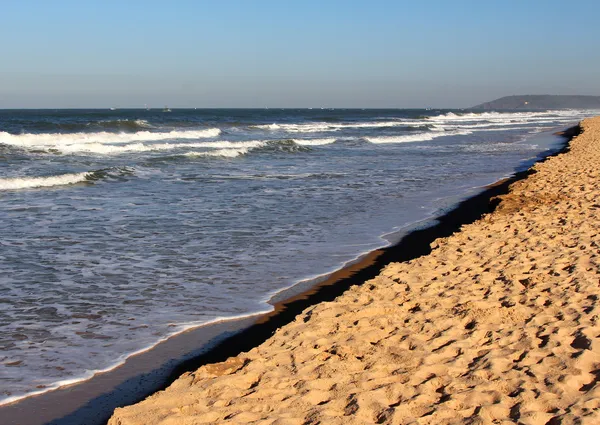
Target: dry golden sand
<point>498,325</point>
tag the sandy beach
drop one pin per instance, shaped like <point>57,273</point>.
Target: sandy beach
<point>498,324</point>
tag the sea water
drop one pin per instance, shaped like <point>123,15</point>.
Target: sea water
<point>121,228</point>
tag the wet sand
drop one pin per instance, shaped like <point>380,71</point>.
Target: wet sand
<point>497,324</point>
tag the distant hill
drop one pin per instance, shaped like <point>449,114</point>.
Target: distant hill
<point>542,102</point>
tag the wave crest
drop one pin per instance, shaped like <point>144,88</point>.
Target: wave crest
<point>283,145</point>
<point>60,126</point>
<point>15,183</point>
<point>265,146</point>
<point>121,125</point>
<point>322,127</point>
<point>315,142</point>
<point>109,149</point>
<point>419,137</point>
<point>224,153</point>
<point>110,174</point>
<point>58,140</point>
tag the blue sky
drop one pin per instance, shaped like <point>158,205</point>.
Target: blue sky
<point>263,53</point>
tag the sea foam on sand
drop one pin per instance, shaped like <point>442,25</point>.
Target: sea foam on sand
<point>498,325</point>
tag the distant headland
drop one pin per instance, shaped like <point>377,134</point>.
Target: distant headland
<point>542,102</point>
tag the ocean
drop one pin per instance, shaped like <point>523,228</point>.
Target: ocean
<point>121,228</point>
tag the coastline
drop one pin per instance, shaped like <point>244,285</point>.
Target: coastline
<point>250,332</point>
<point>498,323</point>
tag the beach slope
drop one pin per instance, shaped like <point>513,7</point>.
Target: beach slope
<point>498,325</point>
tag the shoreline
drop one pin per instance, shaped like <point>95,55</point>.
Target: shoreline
<point>248,332</point>
<point>497,324</point>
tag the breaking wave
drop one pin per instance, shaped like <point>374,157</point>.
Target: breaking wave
<point>224,153</point>
<point>121,125</point>
<point>506,116</point>
<point>267,146</point>
<point>284,145</point>
<point>109,149</point>
<point>420,137</point>
<point>57,140</point>
<point>330,127</point>
<point>223,147</point>
<point>315,142</point>
<point>16,183</point>
<point>59,126</point>
<point>111,173</point>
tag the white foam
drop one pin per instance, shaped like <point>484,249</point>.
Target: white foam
<point>499,118</point>
<point>57,140</point>
<point>449,120</point>
<point>143,123</point>
<point>180,328</point>
<point>381,124</point>
<point>329,127</point>
<point>418,137</point>
<point>33,182</point>
<point>299,128</point>
<point>140,122</point>
<point>492,125</point>
<point>141,147</point>
<point>315,142</point>
<point>225,153</point>
<point>504,121</point>
<point>499,147</point>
